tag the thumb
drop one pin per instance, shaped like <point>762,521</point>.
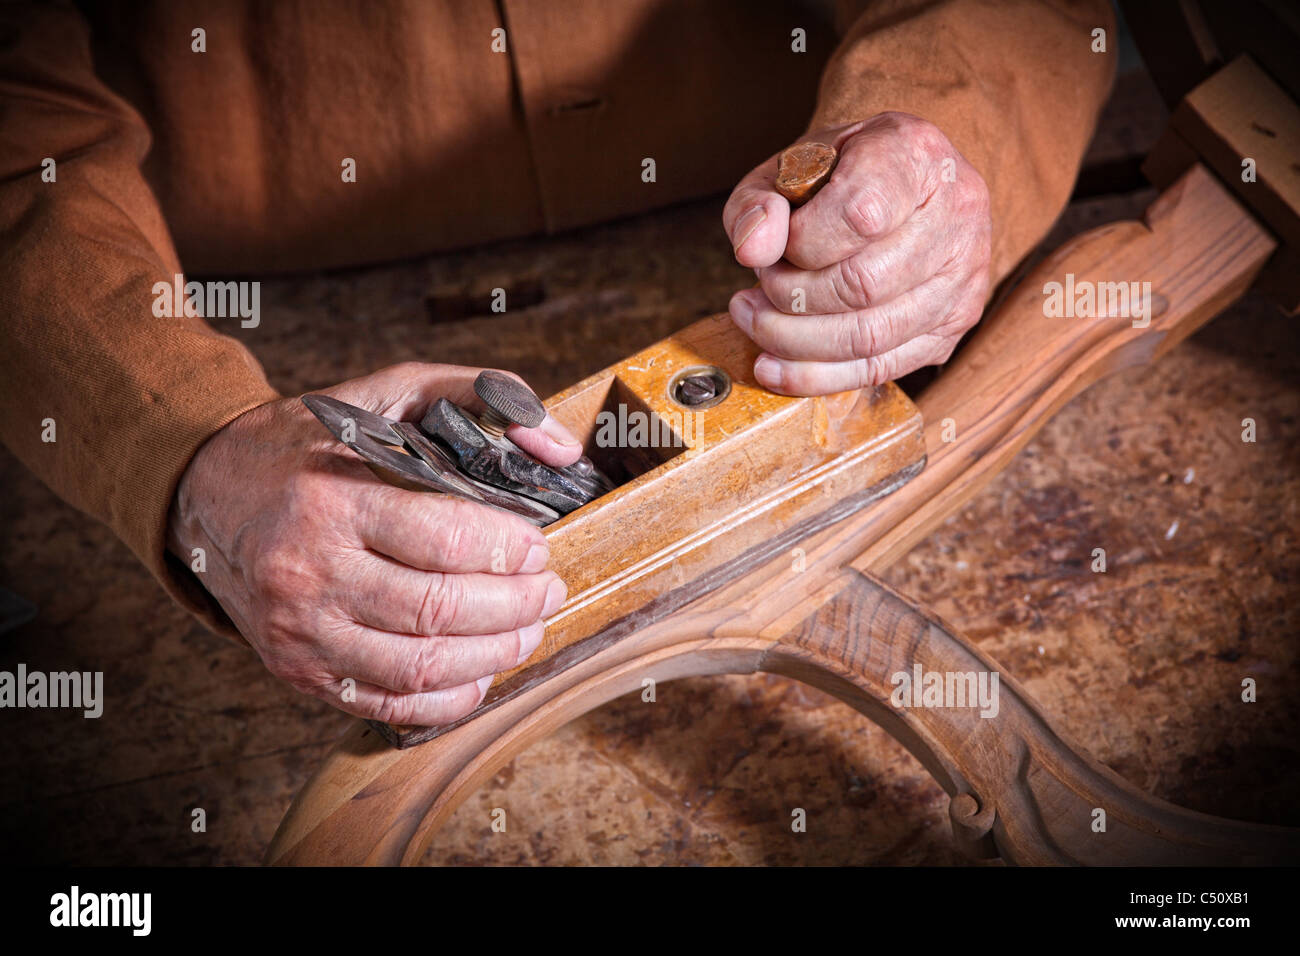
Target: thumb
<point>757,218</point>
<point>406,391</point>
<point>550,442</point>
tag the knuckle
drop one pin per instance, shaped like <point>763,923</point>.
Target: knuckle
<point>437,604</point>
<point>865,335</point>
<point>281,621</point>
<point>409,368</point>
<point>845,292</point>
<point>393,708</point>
<point>857,282</point>
<point>278,573</point>
<point>428,669</point>
<point>928,137</point>
<point>525,597</point>
<point>920,134</point>
<point>864,214</point>
<point>268,571</point>
<point>456,537</point>
<point>894,121</point>
<point>877,370</point>
<point>529,597</point>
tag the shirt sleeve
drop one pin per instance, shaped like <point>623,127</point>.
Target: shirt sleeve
<point>1014,84</point>
<point>104,400</point>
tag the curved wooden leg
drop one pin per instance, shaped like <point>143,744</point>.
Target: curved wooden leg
<point>369,803</point>
<point>1012,776</point>
<point>1020,789</point>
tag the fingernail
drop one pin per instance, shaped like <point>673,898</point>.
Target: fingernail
<point>558,432</point>
<point>483,683</point>
<point>750,220</point>
<point>555,595</point>
<point>768,371</point>
<point>742,312</point>
<point>535,560</point>
<point>529,638</point>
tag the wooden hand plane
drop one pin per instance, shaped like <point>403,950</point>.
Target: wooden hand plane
<point>701,473</point>
<point>713,476</point>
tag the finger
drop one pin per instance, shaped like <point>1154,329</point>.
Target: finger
<point>445,533</point>
<point>842,336</point>
<point>757,217</point>
<point>417,665</point>
<point>789,377</point>
<point>429,709</point>
<point>876,186</point>
<point>882,271</point>
<point>405,391</point>
<point>391,597</point>
<point>550,442</point>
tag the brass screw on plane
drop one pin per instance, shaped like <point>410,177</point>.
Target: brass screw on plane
<point>509,402</point>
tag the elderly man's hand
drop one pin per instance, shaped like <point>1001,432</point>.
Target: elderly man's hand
<point>332,574</point>
<point>879,274</point>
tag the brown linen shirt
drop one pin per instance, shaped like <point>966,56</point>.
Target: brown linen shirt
<point>228,161</point>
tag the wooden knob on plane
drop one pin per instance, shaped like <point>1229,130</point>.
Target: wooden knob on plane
<point>803,169</point>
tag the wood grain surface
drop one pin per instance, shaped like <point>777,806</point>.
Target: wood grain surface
<point>1246,128</point>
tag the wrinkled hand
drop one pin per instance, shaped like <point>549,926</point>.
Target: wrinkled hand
<point>331,573</point>
<point>878,274</point>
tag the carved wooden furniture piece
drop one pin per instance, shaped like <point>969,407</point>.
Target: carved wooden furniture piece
<point>1019,788</point>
